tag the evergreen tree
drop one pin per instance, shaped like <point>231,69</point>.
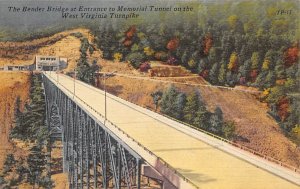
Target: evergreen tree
<point>245,69</point>
<point>168,101</point>
<point>279,69</point>
<point>92,72</point>
<point>21,170</point>
<point>216,121</point>
<point>260,80</point>
<point>231,78</point>
<point>202,65</point>
<point>293,119</point>
<point>9,162</point>
<point>270,79</point>
<point>28,123</point>
<point>255,60</point>
<point>105,40</point>
<point>213,74</point>
<point>243,55</point>
<point>3,182</point>
<point>85,71</point>
<point>180,104</point>
<point>222,74</point>
<point>36,164</point>
<point>191,106</point>
<point>228,130</point>
<point>18,130</point>
<point>202,117</point>
<point>156,97</point>
<point>212,57</point>
<point>30,126</point>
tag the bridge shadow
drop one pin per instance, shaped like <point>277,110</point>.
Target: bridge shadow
<point>174,177</point>
<point>242,139</point>
<point>198,177</point>
<point>115,90</point>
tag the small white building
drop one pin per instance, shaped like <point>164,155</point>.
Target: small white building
<point>15,67</point>
<point>41,63</point>
<point>47,63</point>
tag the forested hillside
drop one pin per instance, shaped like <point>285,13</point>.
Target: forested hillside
<point>251,43</point>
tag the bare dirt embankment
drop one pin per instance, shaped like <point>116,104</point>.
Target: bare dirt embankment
<point>13,85</point>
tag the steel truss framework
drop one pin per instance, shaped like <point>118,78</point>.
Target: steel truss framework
<point>93,156</point>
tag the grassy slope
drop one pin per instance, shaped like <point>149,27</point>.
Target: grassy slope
<point>16,84</point>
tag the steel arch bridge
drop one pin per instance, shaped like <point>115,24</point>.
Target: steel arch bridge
<point>93,156</point>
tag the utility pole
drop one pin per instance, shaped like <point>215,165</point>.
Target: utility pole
<point>74,82</point>
<point>105,76</point>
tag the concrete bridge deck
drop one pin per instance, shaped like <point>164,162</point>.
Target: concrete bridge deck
<point>207,162</point>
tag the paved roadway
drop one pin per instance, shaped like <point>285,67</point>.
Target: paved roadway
<point>205,165</point>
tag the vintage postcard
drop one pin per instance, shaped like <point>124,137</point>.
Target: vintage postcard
<point>162,94</point>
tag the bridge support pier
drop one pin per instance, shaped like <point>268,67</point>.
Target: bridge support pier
<point>93,156</point>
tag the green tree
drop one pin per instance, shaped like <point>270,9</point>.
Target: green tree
<point>279,69</point>
<point>275,93</point>
<point>202,65</point>
<point>228,130</point>
<point>179,106</point>
<point>156,97</point>
<point>135,59</point>
<point>202,117</point>
<point>216,121</point>
<point>232,21</point>
<point>168,101</point>
<point>213,73</point>
<point>233,62</point>
<point>255,60</point>
<point>231,78</point>
<point>266,65</point>
<point>85,71</point>
<point>92,72</point>
<point>3,182</point>
<point>32,120</point>
<point>260,80</point>
<point>9,163</point>
<point>270,79</point>
<point>293,119</point>
<point>191,106</point>
<point>21,170</point>
<point>245,69</point>
<point>19,128</point>
<point>36,164</point>
<point>30,126</point>
<point>222,74</point>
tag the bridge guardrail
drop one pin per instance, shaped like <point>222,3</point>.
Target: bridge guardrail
<point>276,161</point>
